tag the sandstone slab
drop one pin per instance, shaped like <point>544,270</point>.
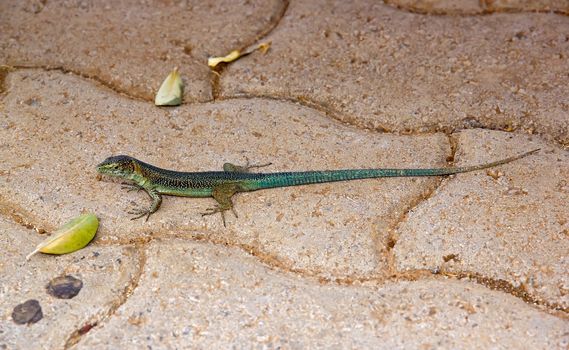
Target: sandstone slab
<point>439,7</point>
<point>372,65</point>
<point>475,7</point>
<point>560,6</point>
<point>225,298</point>
<point>104,271</point>
<point>510,224</point>
<point>131,46</point>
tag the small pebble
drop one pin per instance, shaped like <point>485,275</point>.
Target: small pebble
<point>27,313</point>
<point>64,287</point>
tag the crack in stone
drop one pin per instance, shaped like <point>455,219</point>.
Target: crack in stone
<point>218,70</point>
<point>20,216</point>
<point>326,110</point>
<point>393,237</point>
<point>491,283</point>
<point>4,70</point>
<point>215,78</point>
<point>330,112</point>
<point>453,148</point>
<point>88,77</point>
<point>271,261</point>
<point>486,9</point>
<point>274,23</point>
<point>274,263</point>
<point>277,264</point>
<point>317,106</point>
<point>98,320</point>
<point>507,287</point>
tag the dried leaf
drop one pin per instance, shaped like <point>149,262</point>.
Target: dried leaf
<point>70,237</point>
<point>232,56</point>
<point>212,62</point>
<point>171,90</point>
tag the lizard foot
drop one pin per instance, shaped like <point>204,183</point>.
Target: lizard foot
<point>218,209</point>
<point>138,213</point>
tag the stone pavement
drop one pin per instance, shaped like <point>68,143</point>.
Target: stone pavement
<point>476,260</point>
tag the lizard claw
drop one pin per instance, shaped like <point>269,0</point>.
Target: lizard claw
<point>211,211</point>
<point>215,210</point>
<point>140,213</point>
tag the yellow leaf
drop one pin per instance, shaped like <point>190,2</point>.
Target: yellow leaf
<point>171,90</point>
<point>212,62</point>
<point>70,237</point>
<point>232,56</point>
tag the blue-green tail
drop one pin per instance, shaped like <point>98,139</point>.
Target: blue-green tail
<point>284,179</point>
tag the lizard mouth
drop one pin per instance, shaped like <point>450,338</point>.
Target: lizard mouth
<point>107,169</point>
<point>115,166</point>
<point>110,170</point>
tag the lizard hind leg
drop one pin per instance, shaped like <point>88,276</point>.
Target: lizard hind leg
<point>222,194</point>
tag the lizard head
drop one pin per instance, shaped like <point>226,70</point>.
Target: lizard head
<point>119,166</point>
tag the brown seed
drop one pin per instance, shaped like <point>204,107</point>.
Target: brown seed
<point>64,287</point>
<point>27,313</point>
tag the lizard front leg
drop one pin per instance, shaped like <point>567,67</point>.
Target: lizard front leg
<point>156,201</point>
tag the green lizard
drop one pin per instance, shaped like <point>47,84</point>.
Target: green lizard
<point>222,185</point>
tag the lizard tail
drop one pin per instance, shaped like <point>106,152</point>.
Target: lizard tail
<point>465,169</point>
<point>272,180</point>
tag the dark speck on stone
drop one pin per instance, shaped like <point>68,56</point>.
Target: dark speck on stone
<point>27,313</point>
<point>64,287</point>
<point>32,101</point>
<point>96,254</point>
